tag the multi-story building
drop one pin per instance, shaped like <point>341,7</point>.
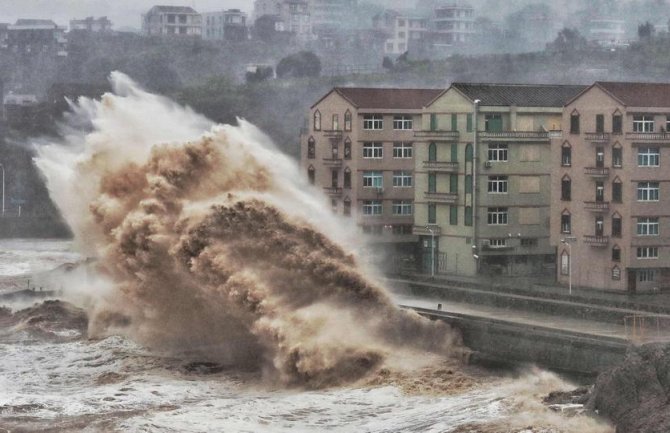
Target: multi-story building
<point>403,31</point>
<point>172,20</point>
<point>452,25</point>
<point>482,195</point>
<point>331,16</point>
<point>297,19</point>
<point>359,148</point>
<point>228,25</point>
<point>36,36</point>
<point>90,24</point>
<point>608,32</point>
<point>265,7</point>
<point>610,213</point>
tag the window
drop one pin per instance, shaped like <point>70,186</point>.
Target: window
<point>347,148</point>
<point>647,226</point>
<point>468,216</point>
<point>432,214</point>
<point>453,183</point>
<point>453,215</point>
<point>497,184</point>
<point>334,178</point>
<point>347,178</point>
<point>373,122</point>
<point>454,152</point>
<point>648,157</point>
<point>617,157</point>
<point>600,123</point>
<point>373,151</point>
<point>347,120</point>
<point>432,182</point>
<point>647,252</point>
<point>616,254</point>
<point>402,229</point>
<point>402,207</point>
<point>566,226</point>
<point>647,191</point>
<point>528,242</point>
<point>643,123</point>
<point>574,123</point>
<point>600,192</point>
<point>565,263</point>
<point>336,122</point>
<point>468,184</point>
<point>566,188</point>
<point>402,150</point>
<point>372,207</point>
<point>617,191</point>
<point>616,273</point>
<point>600,226</point>
<point>469,152</point>
<point>346,211</point>
<point>402,122</point>
<point>335,150</point>
<point>617,124</point>
<point>402,179</point>
<point>497,152</point>
<point>646,275</point>
<point>497,215</point>
<point>433,122</point>
<point>566,155</point>
<point>311,175</point>
<point>600,157</point>
<point>454,122</point>
<point>373,179</point>
<point>497,243</point>
<point>432,152</point>
<point>616,226</point>
<point>317,120</point>
<point>468,122</point>
<point>311,148</point>
<point>493,123</point>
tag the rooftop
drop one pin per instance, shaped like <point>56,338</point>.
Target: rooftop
<point>638,94</point>
<point>380,98</point>
<point>174,9</point>
<point>523,95</point>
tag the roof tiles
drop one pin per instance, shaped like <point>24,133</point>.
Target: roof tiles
<point>638,94</point>
<point>524,95</point>
<point>379,98</point>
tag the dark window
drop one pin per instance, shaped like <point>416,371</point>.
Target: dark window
<point>600,226</point>
<point>566,226</point>
<point>617,157</point>
<point>311,175</point>
<point>616,227</point>
<point>468,121</point>
<point>574,123</point>
<point>347,178</point>
<point>432,152</point>
<point>347,149</point>
<point>617,192</point>
<point>453,183</point>
<point>468,152</point>
<point>454,122</point>
<point>600,157</point>
<point>453,215</point>
<point>600,123</point>
<point>600,192</point>
<point>493,123</point>
<point>432,214</point>
<point>566,189</point>
<point>566,156</point>
<point>468,216</point>
<point>334,178</point>
<point>311,148</point>
<point>347,207</point>
<point>433,122</point>
<point>617,124</point>
<point>616,254</point>
<point>432,182</point>
<point>347,120</point>
<point>335,150</point>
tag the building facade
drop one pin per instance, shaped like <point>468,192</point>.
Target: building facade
<point>172,21</point>
<point>31,36</point>
<point>359,149</point>
<point>483,188</point>
<point>610,213</point>
<point>402,31</point>
<point>452,25</point>
<point>228,25</point>
<point>91,24</point>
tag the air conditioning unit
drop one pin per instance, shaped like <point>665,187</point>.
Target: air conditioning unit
<point>487,164</point>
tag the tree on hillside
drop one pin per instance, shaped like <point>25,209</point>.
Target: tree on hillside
<point>301,64</point>
<point>645,31</point>
<point>568,41</point>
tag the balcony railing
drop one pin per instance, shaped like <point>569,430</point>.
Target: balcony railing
<point>597,171</point>
<point>438,135</point>
<point>514,135</point>
<point>597,137</point>
<point>648,136</point>
<point>333,191</point>
<point>333,133</point>
<point>597,241</point>
<point>597,206</point>
<point>423,230</point>
<point>441,197</point>
<point>332,162</point>
<point>443,166</point>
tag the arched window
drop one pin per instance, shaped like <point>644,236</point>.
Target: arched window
<point>617,155</point>
<point>616,273</point>
<point>617,190</point>
<point>311,148</point>
<point>468,152</point>
<point>311,174</point>
<point>616,253</point>
<point>566,188</point>
<point>347,120</point>
<point>566,154</point>
<point>616,225</point>
<point>565,263</point>
<point>566,222</point>
<point>617,122</point>
<point>432,152</point>
<point>347,178</point>
<point>574,122</point>
<point>347,148</point>
<point>468,184</point>
<point>317,120</point>
<point>347,206</point>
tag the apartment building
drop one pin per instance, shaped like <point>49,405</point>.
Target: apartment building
<point>359,147</point>
<point>611,213</point>
<point>402,31</point>
<point>172,20</point>
<point>226,25</point>
<point>483,188</point>
<point>453,24</point>
<point>32,36</point>
<point>332,16</point>
<point>91,24</point>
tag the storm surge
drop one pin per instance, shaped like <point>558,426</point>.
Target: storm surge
<point>214,245</point>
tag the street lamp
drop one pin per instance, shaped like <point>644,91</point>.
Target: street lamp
<point>432,252</point>
<point>3,189</point>
<point>567,241</point>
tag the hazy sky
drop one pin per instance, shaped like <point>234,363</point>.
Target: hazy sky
<point>123,13</point>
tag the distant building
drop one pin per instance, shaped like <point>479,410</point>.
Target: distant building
<point>172,20</point>
<point>331,17</point>
<point>34,36</point>
<point>228,25</point>
<point>90,24</point>
<point>4,34</point>
<point>403,31</point>
<point>452,25</point>
<point>607,32</point>
<point>266,7</point>
<point>297,19</point>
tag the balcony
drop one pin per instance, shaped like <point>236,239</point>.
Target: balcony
<point>333,191</point>
<point>423,230</point>
<point>597,241</point>
<point>597,137</point>
<point>332,133</point>
<point>597,206</point>
<point>438,135</point>
<point>441,197</point>
<point>441,166</point>
<point>332,162</point>
<point>648,136</point>
<point>597,172</point>
<point>523,136</point>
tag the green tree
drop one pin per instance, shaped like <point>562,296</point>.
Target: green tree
<point>301,64</point>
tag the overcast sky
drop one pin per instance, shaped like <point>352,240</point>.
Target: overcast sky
<point>123,13</point>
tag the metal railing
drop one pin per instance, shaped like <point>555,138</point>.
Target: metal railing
<point>646,327</point>
<point>596,241</point>
<point>441,197</point>
<point>540,135</point>
<point>597,171</point>
<point>597,137</point>
<point>648,136</point>
<point>440,166</point>
<point>443,135</point>
<point>332,190</point>
<point>597,206</point>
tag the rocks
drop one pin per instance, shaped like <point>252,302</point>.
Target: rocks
<point>635,395</point>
